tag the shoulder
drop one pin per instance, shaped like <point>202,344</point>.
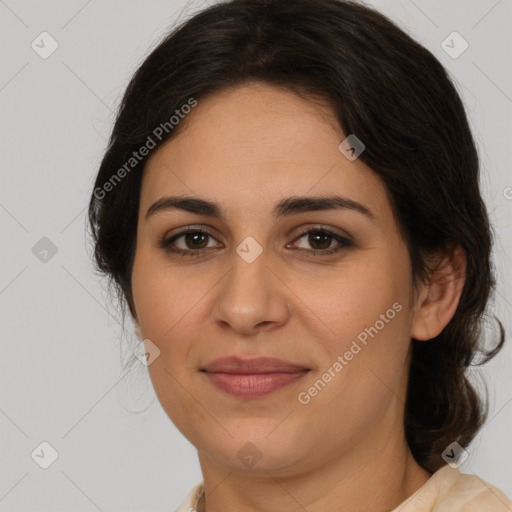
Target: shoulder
<point>190,501</point>
<point>449,490</point>
<point>470,493</point>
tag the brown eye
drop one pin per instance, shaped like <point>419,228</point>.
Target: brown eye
<point>321,238</point>
<point>320,241</point>
<point>192,242</point>
<point>196,240</point>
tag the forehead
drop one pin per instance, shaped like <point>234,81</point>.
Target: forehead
<point>251,146</point>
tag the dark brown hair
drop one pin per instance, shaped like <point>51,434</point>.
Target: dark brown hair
<point>390,92</point>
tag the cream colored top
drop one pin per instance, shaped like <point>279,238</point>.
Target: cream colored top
<point>447,490</point>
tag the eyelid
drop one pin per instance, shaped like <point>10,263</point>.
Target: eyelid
<point>344,240</point>
<point>327,229</point>
<point>183,230</point>
<point>168,239</point>
<point>304,230</point>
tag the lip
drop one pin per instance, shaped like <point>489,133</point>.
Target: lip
<point>255,365</point>
<point>252,378</point>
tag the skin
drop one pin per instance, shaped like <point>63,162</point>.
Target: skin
<point>247,148</point>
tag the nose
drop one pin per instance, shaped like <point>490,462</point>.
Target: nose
<point>251,298</point>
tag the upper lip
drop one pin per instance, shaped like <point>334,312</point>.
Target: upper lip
<point>239,365</point>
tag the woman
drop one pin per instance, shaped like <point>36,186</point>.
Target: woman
<point>289,206</point>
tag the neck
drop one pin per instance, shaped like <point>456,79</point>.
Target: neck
<point>362,480</point>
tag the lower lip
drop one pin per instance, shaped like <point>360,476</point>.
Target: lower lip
<point>253,385</point>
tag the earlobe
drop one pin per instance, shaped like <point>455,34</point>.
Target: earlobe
<point>441,296</point>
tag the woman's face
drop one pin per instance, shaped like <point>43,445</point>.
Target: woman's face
<point>256,286</point>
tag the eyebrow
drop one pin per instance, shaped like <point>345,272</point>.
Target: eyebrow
<point>285,207</point>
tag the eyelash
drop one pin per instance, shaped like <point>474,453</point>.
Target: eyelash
<point>165,243</point>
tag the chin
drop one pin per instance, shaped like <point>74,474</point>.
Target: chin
<point>253,449</point>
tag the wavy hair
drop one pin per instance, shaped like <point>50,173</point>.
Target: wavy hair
<point>389,91</point>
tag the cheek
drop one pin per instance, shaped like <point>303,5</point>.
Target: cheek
<point>170,306</point>
<point>166,304</point>
<point>163,296</point>
<point>361,314</point>
<point>349,299</point>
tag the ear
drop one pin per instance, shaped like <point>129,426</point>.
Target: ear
<point>135,320</point>
<point>439,298</point>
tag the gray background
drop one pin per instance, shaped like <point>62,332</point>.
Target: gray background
<point>61,379</point>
